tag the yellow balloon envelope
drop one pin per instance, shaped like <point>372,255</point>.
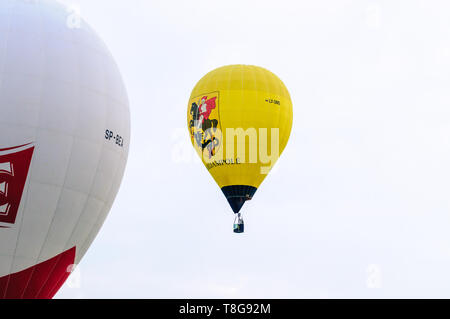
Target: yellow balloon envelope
<point>239,119</point>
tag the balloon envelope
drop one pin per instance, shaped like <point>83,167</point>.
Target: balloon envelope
<point>239,118</point>
<point>64,137</point>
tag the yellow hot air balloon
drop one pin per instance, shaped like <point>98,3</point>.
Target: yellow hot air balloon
<point>239,119</point>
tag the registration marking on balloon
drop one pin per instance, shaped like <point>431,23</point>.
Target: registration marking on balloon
<point>204,124</point>
<point>14,166</point>
<point>116,137</point>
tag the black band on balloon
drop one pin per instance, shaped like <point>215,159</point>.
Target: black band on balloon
<point>237,195</point>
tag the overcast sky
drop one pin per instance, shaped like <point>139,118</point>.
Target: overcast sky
<point>358,205</point>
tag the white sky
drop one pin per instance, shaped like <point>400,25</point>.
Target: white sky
<point>359,203</point>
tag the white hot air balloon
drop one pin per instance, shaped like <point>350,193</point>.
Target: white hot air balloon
<point>64,137</point>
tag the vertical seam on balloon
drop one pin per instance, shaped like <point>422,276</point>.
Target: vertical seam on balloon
<point>257,99</point>
<point>267,92</point>
<point>232,68</point>
<point>242,114</point>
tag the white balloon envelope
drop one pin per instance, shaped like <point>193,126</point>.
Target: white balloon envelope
<point>64,139</point>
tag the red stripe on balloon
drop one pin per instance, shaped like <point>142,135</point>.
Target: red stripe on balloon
<point>41,281</point>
